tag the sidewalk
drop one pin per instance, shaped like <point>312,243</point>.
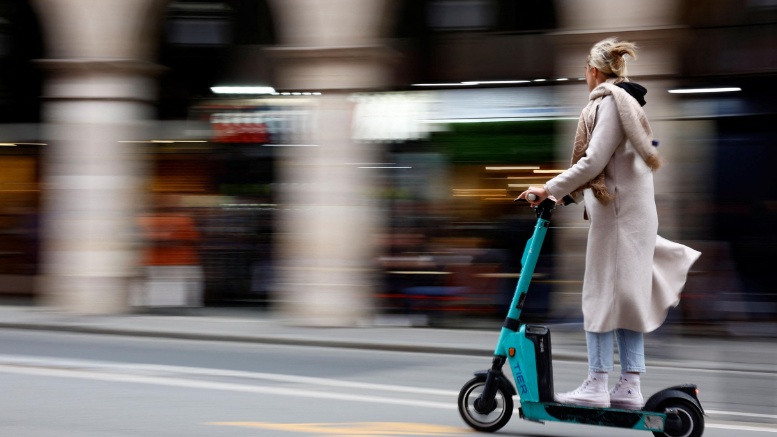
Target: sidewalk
<point>662,349</point>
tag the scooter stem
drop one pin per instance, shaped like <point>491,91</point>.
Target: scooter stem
<point>529,260</point>
<point>486,403</point>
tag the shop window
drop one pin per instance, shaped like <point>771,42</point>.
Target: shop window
<point>198,31</point>
<point>462,14</point>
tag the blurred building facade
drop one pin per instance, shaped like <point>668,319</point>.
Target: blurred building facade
<point>126,114</point>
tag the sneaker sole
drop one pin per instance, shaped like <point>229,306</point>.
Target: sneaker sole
<point>582,403</point>
<point>626,406</point>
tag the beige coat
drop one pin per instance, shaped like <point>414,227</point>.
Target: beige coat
<point>632,276</point>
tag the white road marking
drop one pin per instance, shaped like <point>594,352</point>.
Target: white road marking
<point>15,360</point>
<point>740,428</point>
<point>733,372</point>
<point>769,374</point>
<point>734,413</point>
<point>207,385</point>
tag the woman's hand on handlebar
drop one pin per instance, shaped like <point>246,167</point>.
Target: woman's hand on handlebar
<point>540,194</point>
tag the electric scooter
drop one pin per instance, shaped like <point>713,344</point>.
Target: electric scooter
<point>486,401</point>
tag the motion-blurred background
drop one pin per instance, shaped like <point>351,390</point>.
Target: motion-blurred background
<point>354,161</point>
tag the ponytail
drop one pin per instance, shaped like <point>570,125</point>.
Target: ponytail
<point>609,56</point>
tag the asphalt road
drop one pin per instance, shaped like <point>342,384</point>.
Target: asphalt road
<point>84,385</point>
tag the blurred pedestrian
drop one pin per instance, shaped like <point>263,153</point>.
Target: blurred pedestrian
<point>173,271</point>
<point>632,276</point>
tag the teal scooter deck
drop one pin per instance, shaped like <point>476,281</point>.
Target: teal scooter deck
<point>555,412</point>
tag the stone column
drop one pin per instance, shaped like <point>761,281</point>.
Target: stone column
<point>93,181</point>
<point>327,223</point>
<point>99,91</point>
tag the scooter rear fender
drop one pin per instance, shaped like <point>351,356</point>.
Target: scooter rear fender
<point>686,392</point>
<point>504,384</point>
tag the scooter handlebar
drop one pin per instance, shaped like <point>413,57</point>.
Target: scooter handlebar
<point>543,209</point>
<point>566,200</point>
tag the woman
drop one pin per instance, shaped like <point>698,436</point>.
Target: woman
<point>632,276</point>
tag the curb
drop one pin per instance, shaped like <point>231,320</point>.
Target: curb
<point>270,339</point>
<point>276,340</point>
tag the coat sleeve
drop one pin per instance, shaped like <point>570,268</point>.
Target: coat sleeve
<point>606,137</point>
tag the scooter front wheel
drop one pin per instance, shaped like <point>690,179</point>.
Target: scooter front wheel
<point>490,422</point>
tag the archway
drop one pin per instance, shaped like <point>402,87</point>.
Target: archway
<point>462,40</point>
<point>21,43</point>
<point>205,44</point>
<point>445,43</point>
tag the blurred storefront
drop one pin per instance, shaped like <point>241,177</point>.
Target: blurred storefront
<point>19,218</point>
<point>454,161</point>
<point>226,180</point>
<point>20,147</point>
<point>376,172</point>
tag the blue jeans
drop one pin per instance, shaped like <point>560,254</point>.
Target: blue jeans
<point>601,351</point>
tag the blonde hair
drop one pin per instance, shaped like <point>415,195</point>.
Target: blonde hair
<point>608,56</point>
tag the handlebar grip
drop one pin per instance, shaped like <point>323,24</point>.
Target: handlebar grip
<point>531,197</point>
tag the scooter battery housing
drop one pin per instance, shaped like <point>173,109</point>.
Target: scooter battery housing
<point>540,336</point>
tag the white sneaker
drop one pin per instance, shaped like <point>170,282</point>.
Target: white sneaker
<point>593,393</point>
<point>626,395</point>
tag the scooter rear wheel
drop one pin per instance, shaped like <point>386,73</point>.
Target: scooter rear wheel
<point>690,415</point>
<point>490,422</point>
